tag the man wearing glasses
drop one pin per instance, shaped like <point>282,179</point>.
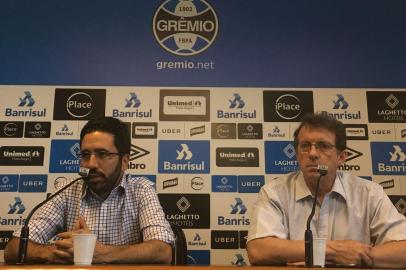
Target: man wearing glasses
<point>361,224</point>
<point>123,211</point>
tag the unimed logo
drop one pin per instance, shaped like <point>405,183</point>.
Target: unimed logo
<point>388,158</point>
<point>184,157</point>
<point>356,131</point>
<point>184,105</point>
<point>22,155</point>
<point>237,157</point>
<point>79,104</point>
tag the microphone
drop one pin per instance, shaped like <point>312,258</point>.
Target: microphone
<point>322,169</point>
<point>25,231</point>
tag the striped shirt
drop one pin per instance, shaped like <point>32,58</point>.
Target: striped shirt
<point>130,214</point>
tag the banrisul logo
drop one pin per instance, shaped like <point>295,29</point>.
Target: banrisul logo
<point>280,157</point>
<point>64,156</point>
<point>236,215</point>
<point>26,107</point>
<point>185,27</point>
<point>132,108</point>
<point>236,109</point>
<point>388,158</point>
<point>341,112</point>
<point>184,157</point>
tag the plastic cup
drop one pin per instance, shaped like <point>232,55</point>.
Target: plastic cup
<point>319,251</point>
<point>83,248</point>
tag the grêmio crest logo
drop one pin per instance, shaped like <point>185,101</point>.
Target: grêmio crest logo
<point>185,28</point>
<point>79,104</point>
<point>287,106</point>
<point>184,157</point>
<point>388,158</point>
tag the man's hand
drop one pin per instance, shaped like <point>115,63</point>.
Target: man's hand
<point>64,247</point>
<point>349,252</point>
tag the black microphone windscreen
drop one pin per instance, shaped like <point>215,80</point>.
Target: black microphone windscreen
<point>83,172</point>
<point>322,169</point>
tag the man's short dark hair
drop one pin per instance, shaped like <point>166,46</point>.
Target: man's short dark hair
<point>114,126</point>
<point>323,120</point>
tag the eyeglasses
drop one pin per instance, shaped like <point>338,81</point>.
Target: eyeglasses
<point>305,147</point>
<point>100,155</point>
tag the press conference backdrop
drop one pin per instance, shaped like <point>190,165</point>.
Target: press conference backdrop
<point>211,92</point>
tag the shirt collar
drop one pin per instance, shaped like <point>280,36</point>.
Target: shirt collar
<point>302,191</point>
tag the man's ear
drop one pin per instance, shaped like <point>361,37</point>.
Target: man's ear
<point>124,162</point>
<point>342,156</point>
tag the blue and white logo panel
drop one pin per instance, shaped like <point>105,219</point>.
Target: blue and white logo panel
<point>64,156</point>
<point>8,182</point>
<point>250,183</point>
<point>224,183</point>
<point>184,157</point>
<point>388,158</point>
<point>280,157</point>
<point>33,183</point>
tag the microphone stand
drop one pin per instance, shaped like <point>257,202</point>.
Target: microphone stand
<point>25,230</point>
<point>308,236</point>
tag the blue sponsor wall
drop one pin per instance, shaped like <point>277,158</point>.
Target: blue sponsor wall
<point>212,104</point>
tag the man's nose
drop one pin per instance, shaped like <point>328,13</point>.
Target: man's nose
<point>313,152</point>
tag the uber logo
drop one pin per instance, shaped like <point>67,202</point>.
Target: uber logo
<point>224,240</point>
<point>5,236</point>
<point>79,104</point>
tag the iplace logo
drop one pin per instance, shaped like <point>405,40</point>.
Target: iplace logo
<point>185,28</point>
<point>386,107</point>
<point>287,106</point>
<point>13,129</point>
<point>223,131</point>
<point>184,105</point>
<point>79,104</point>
